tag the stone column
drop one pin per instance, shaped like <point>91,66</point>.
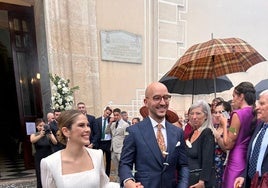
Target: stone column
<point>72,47</point>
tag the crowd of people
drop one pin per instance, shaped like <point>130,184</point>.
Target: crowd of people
<point>213,146</point>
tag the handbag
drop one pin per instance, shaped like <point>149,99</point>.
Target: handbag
<point>194,176</point>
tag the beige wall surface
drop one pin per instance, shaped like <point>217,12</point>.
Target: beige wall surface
<point>122,83</point>
<point>163,32</point>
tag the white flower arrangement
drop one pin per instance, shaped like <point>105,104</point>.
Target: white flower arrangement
<point>62,96</point>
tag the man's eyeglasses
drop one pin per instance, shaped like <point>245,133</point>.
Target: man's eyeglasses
<point>158,98</point>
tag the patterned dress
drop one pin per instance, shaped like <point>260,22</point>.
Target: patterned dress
<point>220,157</point>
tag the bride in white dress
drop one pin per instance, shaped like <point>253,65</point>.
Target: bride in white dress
<point>76,165</point>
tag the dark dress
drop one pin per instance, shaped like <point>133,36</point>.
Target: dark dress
<point>201,158</point>
<point>43,149</point>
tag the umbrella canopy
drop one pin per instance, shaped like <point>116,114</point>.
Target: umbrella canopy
<point>261,86</point>
<point>216,57</point>
<point>196,86</point>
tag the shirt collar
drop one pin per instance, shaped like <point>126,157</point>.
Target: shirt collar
<point>154,123</point>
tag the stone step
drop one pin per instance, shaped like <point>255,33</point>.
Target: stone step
<point>29,182</point>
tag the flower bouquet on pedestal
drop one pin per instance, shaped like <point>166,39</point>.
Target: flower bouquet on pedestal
<point>62,95</point>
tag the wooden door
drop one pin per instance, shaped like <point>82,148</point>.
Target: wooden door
<point>26,70</point>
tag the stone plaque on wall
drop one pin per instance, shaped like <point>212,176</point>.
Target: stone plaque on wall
<point>121,46</point>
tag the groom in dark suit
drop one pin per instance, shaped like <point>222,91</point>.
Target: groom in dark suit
<point>154,168</point>
<point>262,157</point>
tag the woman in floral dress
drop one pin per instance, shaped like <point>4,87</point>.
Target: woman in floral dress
<point>220,109</point>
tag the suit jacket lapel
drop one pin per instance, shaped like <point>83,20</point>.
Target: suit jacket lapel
<point>148,134</point>
<point>257,129</point>
<point>266,151</point>
<point>171,139</point>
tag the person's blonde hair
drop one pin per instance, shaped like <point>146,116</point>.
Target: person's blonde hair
<point>66,119</point>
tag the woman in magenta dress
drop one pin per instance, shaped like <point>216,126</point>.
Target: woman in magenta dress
<point>237,136</point>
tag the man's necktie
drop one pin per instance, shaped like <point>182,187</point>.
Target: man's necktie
<point>116,124</point>
<point>103,129</point>
<point>160,139</point>
<point>255,153</point>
